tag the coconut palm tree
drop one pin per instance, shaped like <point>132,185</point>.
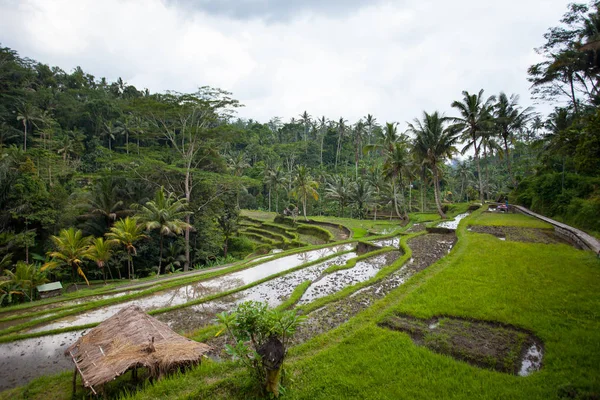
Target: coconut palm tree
<point>71,248</point>
<point>359,131</point>
<point>434,143</point>
<point>475,117</point>
<point>100,252</point>
<point>375,179</point>
<point>305,119</point>
<point>362,197</point>
<point>386,139</point>
<point>337,189</point>
<point>341,128</point>
<point>304,187</point>
<point>464,174</point>
<point>28,114</point>
<point>396,161</point>
<point>165,213</point>
<point>22,281</point>
<point>370,124</point>
<point>508,118</point>
<point>126,232</point>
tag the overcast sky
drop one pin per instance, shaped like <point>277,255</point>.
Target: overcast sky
<point>347,58</point>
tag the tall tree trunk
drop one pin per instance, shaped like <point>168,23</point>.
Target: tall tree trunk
<point>24,136</point>
<point>508,166</point>
<point>160,257</point>
<point>322,140</point>
<point>478,170</point>
<point>186,265</point>
<point>395,198</point>
<point>225,247</point>
<point>487,176</point>
<point>436,190</point>
<point>304,207</point>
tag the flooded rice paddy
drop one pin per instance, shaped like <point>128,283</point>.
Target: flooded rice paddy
<point>453,224</point>
<point>185,294</point>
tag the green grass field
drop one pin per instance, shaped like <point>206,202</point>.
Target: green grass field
<point>518,220</point>
<point>550,290</point>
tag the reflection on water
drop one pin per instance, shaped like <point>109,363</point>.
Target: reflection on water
<point>392,242</point>
<point>454,223</point>
<point>184,294</point>
<point>336,281</point>
<point>24,360</point>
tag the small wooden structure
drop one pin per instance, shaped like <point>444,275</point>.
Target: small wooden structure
<point>128,340</point>
<point>51,289</point>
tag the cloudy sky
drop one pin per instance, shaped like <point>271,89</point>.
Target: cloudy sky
<point>347,58</point>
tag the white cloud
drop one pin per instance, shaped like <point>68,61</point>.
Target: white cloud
<point>391,59</point>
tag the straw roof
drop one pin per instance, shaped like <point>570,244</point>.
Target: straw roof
<point>131,338</point>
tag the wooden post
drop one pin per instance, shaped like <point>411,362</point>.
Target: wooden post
<point>74,381</point>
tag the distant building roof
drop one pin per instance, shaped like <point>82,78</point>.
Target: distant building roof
<point>49,286</point>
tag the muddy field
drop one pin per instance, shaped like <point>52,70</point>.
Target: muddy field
<point>483,344</point>
<point>426,250</point>
<point>518,234</point>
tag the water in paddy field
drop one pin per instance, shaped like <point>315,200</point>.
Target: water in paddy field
<point>452,224</point>
<point>184,294</point>
<point>273,292</point>
<point>392,242</point>
<point>23,360</point>
<point>336,281</point>
<point>532,361</point>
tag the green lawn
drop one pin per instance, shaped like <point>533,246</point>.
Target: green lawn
<point>503,219</point>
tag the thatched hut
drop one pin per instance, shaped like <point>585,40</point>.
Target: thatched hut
<point>128,340</point>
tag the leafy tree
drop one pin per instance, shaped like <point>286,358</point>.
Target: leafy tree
<point>71,248</point>
<point>228,222</point>
<point>22,282</point>
<point>166,214</point>
<point>261,339</point>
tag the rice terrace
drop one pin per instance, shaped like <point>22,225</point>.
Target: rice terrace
<point>158,244</point>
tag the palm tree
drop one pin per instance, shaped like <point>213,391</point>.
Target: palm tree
<point>510,118</point>
<point>396,160</point>
<point>305,118</point>
<point>337,189</point>
<point>375,179</point>
<point>110,131</point>
<point>475,117</point>
<point>165,213</point>
<point>370,124</point>
<point>464,174</point>
<point>102,202</point>
<point>23,280</point>
<point>126,232</point>
<point>27,114</point>
<point>362,197</point>
<point>100,252</point>
<point>386,139</point>
<point>341,128</point>
<point>359,131</point>
<point>322,132</point>
<point>71,248</point>
<point>434,143</point>
<point>305,187</point>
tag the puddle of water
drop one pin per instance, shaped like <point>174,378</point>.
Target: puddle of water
<point>454,223</point>
<point>393,242</point>
<point>532,361</point>
<point>502,238</point>
<point>24,360</point>
<point>434,325</point>
<point>336,281</point>
<point>197,290</point>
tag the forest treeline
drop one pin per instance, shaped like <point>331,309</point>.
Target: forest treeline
<point>97,174</point>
